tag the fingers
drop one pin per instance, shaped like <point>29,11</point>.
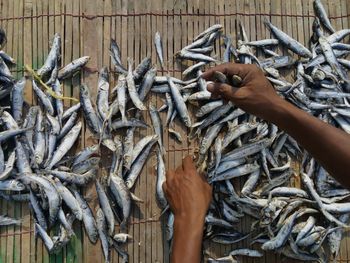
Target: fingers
<point>229,69</point>
<point>170,176</point>
<point>221,90</point>
<point>179,171</point>
<point>187,163</point>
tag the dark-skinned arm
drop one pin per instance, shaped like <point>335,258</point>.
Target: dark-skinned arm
<point>189,196</point>
<point>330,146</point>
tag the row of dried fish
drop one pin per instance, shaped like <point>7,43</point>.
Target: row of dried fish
<point>40,163</point>
<point>234,144</point>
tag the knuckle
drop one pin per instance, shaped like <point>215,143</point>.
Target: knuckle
<point>224,88</point>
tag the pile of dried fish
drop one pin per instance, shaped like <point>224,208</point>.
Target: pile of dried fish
<point>298,222</point>
<point>42,168</point>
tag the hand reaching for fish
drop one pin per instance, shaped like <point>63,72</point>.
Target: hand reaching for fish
<point>189,196</point>
<point>255,94</point>
<point>187,192</point>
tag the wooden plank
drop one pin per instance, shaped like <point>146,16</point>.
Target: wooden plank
<point>74,251</point>
<point>8,27</point>
<point>107,10</point>
<point>90,33</point>
<point>345,245</point>
<point>3,233</point>
<point>67,57</point>
<point>12,240</point>
<point>46,40</point>
<point>139,41</point>
<point>76,45</point>
<point>34,44</point>
<point>145,253</point>
<point>26,256</point>
<point>139,230</point>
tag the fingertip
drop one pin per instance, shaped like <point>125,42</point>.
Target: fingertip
<point>187,163</point>
<point>207,74</point>
<point>210,87</point>
<point>227,90</point>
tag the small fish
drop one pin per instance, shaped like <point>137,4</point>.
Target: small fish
<point>193,68</point>
<point>8,166</point>
<point>67,113</point>
<point>236,172</point>
<point>52,57</point>
<point>142,68</point>
<point>89,112</point>
<point>157,126</point>
<point>322,15</point>
<point>283,234</point>
<point>71,68</point>
<point>263,43</point>
<point>186,54</point>
<point>176,134</point>
<point>118,124</point>
<point>69,199</point>
<point>179,103</point>
<point>88,218</point>
<point>68,125</point>
<point>38,210</point>
<point>289,42</point>
<point>246,252</point>
<point>161,199</point>
<point>52,194</point>
<point>102,94</point>
<point>8,221</point>
<point>102,232</point>
<point>128,145</point>
<point>66,143</point>
<point>115,53</point>
<point>17,99</point>
<point>147,83</point>
<point>122,195</point>
<point>7,58</point>
<point>122,238</point>
<point>5,135</point>
<point>44,99</point>
<point>159,48</point>
<point>106,207</point>
<point>74,178</point>
<point>45,237</point>
<point>134,96</point>
<point>137,165</point>
<point>85,154</point>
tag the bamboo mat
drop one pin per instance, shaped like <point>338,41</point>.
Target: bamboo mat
<point>86,27</point>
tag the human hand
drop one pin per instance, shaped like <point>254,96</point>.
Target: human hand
<point>255,95</point>
<point>188,193</point>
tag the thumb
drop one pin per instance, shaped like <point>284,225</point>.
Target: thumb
<point>222,90</point>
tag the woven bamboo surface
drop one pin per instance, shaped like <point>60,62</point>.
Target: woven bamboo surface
<point>86,27</point>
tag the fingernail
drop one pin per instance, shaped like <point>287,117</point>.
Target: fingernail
<point>210,87</point>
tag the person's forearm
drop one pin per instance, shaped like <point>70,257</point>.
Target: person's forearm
<point>320,139</point>
<point>187,240</point>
